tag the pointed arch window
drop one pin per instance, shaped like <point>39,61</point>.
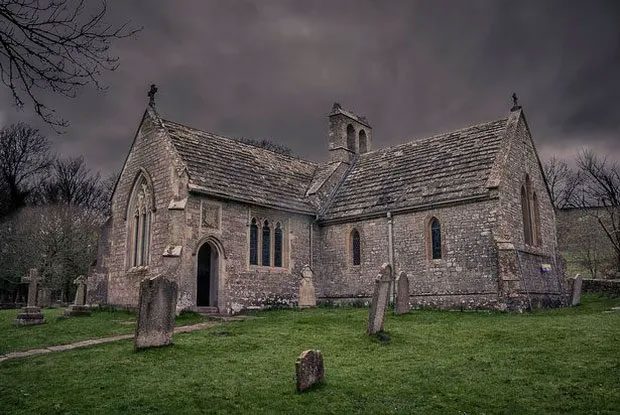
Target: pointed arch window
<point>266,244</point>
<point>140,211</point>
<point>435,238</point>
<point>253,242</point>
<point>356,248</point>
<point>535,220</point>
<point>277,246</point>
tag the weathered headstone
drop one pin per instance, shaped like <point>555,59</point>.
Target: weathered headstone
<point>575,297</point>
<point>156,312</point>
<point>380,299</point>
<point>31,314</point>
<point>79,307</point>
<point>309,369</point>
<point>307,295</point>
<point>402,295</point>
<point>44,298</point>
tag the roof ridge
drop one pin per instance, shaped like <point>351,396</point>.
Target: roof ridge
<point>239,140</point>
<point>415,140</point>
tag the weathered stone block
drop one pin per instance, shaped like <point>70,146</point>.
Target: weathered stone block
<point>156,312</point>
<point>30,316</point>
<point>309,369</point>
<point>402,296</point>
<point>380,298</point>
<point>307,296</point>
<point>575,297</point>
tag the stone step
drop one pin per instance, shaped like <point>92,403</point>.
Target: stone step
<point>210,311</point>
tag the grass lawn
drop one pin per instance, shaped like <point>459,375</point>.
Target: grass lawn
<point>60,330</point>
<point>556,361</point>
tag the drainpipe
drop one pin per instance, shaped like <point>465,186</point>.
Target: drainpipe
<point>390,224</point>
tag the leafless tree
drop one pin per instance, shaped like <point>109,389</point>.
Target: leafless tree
<point>55,45</point>
<point>24,156</point>
<point>72,183</point>
<point>269,145</point>
<point>600,188</point>
<point>563,182</point>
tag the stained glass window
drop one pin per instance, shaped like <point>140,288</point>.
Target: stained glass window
<point>253,243</point>
<point>266,257</point>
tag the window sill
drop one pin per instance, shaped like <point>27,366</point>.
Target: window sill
<point>138,269</point>
<point>269,269</point>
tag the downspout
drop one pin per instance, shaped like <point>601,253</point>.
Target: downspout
<point>390,224</point>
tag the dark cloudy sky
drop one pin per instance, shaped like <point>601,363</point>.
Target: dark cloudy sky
<point>272,69</point>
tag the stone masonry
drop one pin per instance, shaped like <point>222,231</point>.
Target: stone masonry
<point>207,190</point>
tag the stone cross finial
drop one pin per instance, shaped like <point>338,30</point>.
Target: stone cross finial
<point>151,94</point>
<point>336,107</point>
<point>32,279</point>
<point>515,102</point>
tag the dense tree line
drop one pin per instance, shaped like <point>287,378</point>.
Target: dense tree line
<point>51,209</point>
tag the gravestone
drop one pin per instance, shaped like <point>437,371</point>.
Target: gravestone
<point>402,295</point>
<point>31,314</point>
<point>79,307</point>
<point>575,297</point>
<point>307,295</point>
<point>156,312</point>
<point>44,298</point>
<point>309,369</point>
<point>380,299</point>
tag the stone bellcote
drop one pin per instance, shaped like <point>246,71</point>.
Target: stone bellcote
<point>349,135</point>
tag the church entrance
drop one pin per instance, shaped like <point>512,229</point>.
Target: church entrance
<point>207,278</point>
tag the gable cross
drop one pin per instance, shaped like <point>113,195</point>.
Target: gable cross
<point>151,94</point>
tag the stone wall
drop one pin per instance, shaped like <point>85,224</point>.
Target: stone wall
<point>609,288</point>
<point>242,285</point>
<point>153,154</point>
<point>520,159</point>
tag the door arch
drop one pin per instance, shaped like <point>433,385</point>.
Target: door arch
<point>207,276</point>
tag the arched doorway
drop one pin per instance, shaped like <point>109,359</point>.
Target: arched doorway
<point>207,276</point>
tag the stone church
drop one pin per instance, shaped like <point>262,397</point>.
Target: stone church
<point>466,214</point>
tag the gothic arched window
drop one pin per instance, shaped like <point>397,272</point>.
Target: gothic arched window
<point>435,233</point>
<point>253,243</point>
<point>363,142</point>
<point>277,246</point>
<point>356,247</point>
<point>351,137</point>
<point>536,220</point>
<point>140,214</point>
<point>525,211</point>
<point>266,242</point>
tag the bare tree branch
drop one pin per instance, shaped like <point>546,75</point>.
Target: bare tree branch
<point>56,45</point>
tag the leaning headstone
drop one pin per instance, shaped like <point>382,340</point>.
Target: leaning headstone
<point>31,314</point>
<point>402,295</point>
<point>309,369</point>
<point>380,299</point>
<point>307,295</point>
<point>79,307</point>
<point>44,298</point>
<point>156,312</point>
<point>575,297</point>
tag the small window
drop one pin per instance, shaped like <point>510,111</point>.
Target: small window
<point>356,247</point>
<point>277,246</point>
<point>363,142</point>
<point>435,239</point>
<point>253,243</point>
<point>536,221</point>
<point>525,210</point>
<point>350,137</point>
<point>266,257</point>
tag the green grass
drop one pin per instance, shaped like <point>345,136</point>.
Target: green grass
<point>555,361</point>
<point>59,330</point>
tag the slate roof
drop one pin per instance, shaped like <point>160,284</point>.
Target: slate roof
<point>230,168</point>
<point>436,169</point>
<point>425,171</point>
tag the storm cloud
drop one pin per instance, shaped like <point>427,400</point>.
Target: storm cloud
<point>272,69</point>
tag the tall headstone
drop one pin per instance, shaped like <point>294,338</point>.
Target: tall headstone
<point>79,307</point>
<point>156,312</point>
<point>380,299</point>
<point>402,295</point>
<point>575,297</point>
<point>31,314</point>
<point>309,369</point>
<point>307,295</point>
